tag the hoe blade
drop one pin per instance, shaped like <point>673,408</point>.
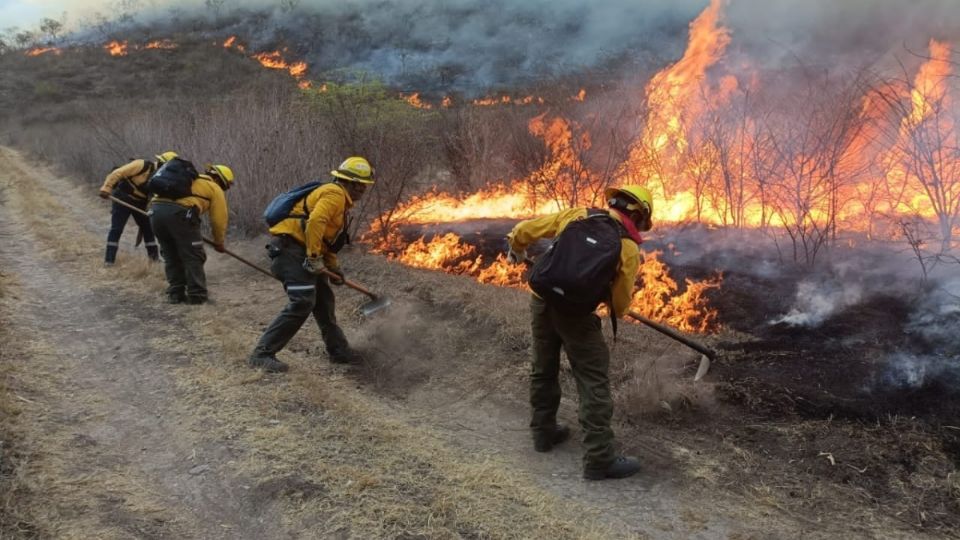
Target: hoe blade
<point>375,305</point>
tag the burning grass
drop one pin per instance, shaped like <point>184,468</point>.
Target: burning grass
<point>657,297</point>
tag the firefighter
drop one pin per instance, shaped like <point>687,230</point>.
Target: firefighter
<point>303,244</point>
<point>556,324</point>
<point>176,223</point>
<point>127,184</point>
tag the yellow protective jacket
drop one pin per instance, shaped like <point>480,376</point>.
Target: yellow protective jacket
<point>527,232</point>
<point>326,207</point>
<point>207,196</point>
<point>137,172</point>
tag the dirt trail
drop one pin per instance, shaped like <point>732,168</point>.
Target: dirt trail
<point>140,419</point>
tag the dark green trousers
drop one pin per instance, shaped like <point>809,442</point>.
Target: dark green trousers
<point>308,294</point>
<point>582,339</point>
<point>181,244</point>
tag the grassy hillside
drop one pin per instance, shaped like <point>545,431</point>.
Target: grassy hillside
<point>52,87</point>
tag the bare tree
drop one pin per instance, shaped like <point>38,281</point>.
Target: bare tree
<point>24,39</point>
<point>397,139</point>
<point>214,7</point>
<point>288,6</point>
<point>925,148</point>
<point>811,143</point>
<point>51,27</point>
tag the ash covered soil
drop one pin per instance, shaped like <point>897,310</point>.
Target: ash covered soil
<point>163,431</point>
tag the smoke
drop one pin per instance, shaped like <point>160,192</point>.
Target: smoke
<point>907,371</point>
<point>815,302</point>
<point>472,46</point>
<point>937,317</point>
<point>480,46</point>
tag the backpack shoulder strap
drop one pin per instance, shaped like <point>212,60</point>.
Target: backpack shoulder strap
<point>601,213</point>
<point>147,166</point>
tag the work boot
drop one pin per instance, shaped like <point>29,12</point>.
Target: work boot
<point>196,300</point>
<point>544,442</point>
<point>621,467</point>
<point>346,356</point>
<point>176,298</point>
<point>270,364</point>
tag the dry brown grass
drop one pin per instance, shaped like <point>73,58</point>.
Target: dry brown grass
<point>15,519</point>
<point>334,458</point>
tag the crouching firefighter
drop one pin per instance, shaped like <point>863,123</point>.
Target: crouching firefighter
<point>181,197</point>
<point>127,184</point>
<point>309,226</point>
<point>593,259</point>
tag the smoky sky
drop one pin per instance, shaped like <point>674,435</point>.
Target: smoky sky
<point>477,46</point>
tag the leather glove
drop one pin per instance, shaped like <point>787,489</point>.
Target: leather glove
<point>314,265</point>
<point>336,270</point>
<point>104,194</point>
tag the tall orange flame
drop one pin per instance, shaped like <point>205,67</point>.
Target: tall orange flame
<point>673,102</point>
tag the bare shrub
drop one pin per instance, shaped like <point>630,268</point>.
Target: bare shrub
<point>400,141</point>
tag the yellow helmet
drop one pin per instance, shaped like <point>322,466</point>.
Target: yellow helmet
<point>166,156</point>
<point>641,199</point>
<point>223,173</point>
<point>355,169</point>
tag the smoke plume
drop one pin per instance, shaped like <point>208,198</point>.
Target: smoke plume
<point>476,46</point>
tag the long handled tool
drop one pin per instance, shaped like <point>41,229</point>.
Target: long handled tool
<point>707,355</point>
<point>376,303</point>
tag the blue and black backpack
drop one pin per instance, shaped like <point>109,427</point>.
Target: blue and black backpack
<point>283,205</point>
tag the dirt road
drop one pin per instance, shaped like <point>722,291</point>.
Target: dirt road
<point>132,418</point>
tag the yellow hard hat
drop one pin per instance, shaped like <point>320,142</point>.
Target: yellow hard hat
<point>639,194</point>
<point>166,156</point>
<point>355,169</point>
<point>223,172</point>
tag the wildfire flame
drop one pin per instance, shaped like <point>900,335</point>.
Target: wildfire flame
<point>37,51</point>
<point>231,43</point>
<point>658,297</point>
<point>116,48</point>
<point>275,60</point>
<point>161,44</point>
<point>507,100</point>
<point>414,101</point>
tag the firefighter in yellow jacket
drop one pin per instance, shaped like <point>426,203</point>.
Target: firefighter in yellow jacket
<point>177,226</point>
<point>555,325</point>
<point>302,246</point>
<point>127,184</point>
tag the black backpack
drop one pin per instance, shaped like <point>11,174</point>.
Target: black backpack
<point>173,180</point>
<point>577,270</point>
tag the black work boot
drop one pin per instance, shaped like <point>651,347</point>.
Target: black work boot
<point>176,298</point>
<point>621,467</point>
<point>346,356</point>
<point>270,364</point>
<point>544,442</point>
<point>197,300</point>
